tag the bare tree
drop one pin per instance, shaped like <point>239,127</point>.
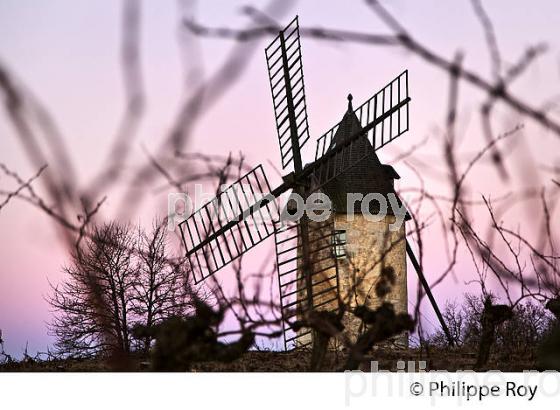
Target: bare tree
<point>138,283</point>
<point>6,358</point>
<point>102,269</point>
<point>159,289</point>
<point>22,185</point>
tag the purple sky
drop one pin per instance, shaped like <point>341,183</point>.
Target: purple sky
<point>67,53</point>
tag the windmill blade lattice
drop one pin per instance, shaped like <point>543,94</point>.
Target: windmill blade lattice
<point>291,282</point>
<point>285,71</point>
<point>383,118</point>
<point>236,220</point>
<point>307,267</point>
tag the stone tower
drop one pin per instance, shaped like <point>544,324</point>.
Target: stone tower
<point>367,244</point>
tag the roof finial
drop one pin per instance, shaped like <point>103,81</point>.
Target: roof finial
<point>350,109</point>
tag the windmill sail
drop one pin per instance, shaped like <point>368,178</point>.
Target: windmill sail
<point>382,118</point>
<point>285,71</point>
<point>236,220</point>
<point>291,282</point>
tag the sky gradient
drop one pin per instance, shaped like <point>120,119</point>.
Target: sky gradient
<point>67,53</point>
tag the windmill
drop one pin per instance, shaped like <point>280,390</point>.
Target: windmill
<point>232,223</point>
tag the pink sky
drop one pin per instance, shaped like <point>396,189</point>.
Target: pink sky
<point>67,54</point>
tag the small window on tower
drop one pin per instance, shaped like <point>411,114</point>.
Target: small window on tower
<point>339,244</point>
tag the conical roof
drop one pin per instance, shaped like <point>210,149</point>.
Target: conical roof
<point>367,176</point>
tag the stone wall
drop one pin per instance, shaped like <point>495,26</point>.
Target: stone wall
<point>370,247</point>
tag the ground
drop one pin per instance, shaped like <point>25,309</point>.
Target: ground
<point>297,361</point>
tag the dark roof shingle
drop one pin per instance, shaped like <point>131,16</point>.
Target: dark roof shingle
<point>367,176</point>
